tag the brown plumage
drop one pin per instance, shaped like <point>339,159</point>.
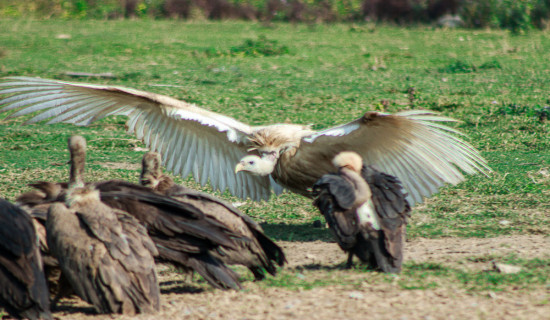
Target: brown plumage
<point>184,236</point>
<point>366,210</point>
<point>254,249</point>
<point>415,145</point>
<point>181,232</point>
<point>23,289</point>
<point>105,254</point>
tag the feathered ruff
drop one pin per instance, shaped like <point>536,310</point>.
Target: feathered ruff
<point>277,137</point>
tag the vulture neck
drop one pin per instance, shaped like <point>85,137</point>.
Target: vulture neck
<point>266,165</point>
<point>77,148</point>
<point>362,190</point>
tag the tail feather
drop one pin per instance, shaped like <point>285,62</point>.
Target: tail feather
<point>216,273</point>
<point>211,269</point>
<point>273,252</point>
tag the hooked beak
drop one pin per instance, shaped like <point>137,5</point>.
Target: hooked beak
<point>239,167</point>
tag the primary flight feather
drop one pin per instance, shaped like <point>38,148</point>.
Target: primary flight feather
<point>413,145</point>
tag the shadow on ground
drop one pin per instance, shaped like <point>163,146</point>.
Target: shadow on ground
<point>178,287</point>
<point>69,307</point>
<point>297,232</point>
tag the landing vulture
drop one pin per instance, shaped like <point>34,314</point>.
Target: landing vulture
<point>23,289</point>
<point>366,210</point>
<point>413,145</point>
<point>254,249</point>
<point>105,254</point>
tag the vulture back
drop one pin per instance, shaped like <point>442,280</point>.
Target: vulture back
<point>334,196</point>
<point>24,292</point>
<point>379,245</point>
<point>118,275</point>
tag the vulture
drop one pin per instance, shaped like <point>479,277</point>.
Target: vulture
<point>255,250</point>
<point>414,146</point>
<point>366,210</point>
<point>182,234</point>
<point>105,255</point>
<point>23,290</point>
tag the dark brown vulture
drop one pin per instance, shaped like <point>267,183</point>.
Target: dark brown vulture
<point>366,210</point>
<point>183,235</point>
<point>23,289</point>
<point>105,254</point>
<point>413,145</point>
<point>254,249</point>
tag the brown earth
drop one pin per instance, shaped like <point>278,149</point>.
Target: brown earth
<point>183,299</point>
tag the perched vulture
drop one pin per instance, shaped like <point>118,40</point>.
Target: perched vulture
<point>105,254</point>
<point>23,289</point>
<point>366,210</point>
<point>254,249</point>
<point>183,235</point>
<point>413,145</point>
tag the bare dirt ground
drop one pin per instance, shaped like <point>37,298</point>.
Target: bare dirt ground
<point>376,300</point>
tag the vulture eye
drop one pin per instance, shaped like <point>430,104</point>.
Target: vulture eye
<point>251,162</point>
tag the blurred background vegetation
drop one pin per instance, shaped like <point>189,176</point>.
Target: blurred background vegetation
<point>516,15</point>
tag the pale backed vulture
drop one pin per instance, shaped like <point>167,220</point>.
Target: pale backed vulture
<point>413,145</point>
<point>105,254</point>
<point>23,289</point>
<point>366,210</point>
<point>254,249</point>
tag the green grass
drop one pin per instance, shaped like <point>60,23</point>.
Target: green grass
<point>323,75</point>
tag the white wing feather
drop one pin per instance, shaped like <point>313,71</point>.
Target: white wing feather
<point>190,139</point>
<point>413,146</point>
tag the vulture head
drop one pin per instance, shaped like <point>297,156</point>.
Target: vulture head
<point>150,170</point>
<point>348,159</point>
<point>151,173</point>
<point>255,165</point>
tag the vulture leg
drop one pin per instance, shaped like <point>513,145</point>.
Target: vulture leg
<point>349,263</point>
<point>64,289</point>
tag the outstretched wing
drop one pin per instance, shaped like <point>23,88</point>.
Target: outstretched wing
<point>413,146</point>
<point>191,139</point>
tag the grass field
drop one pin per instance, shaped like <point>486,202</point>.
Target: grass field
<point>495,83</point>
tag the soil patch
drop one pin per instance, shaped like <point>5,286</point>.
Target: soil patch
<point>183,299</point>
